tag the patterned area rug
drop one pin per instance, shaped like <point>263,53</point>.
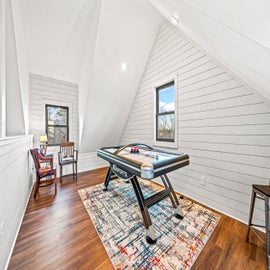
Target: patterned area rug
<point>116,216</point>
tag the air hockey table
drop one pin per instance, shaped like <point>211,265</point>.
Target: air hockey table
<point>141,160</point>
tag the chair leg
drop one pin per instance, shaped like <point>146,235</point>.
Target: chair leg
<point>55,184</point>
<point>251,213</point>
<point>73,170</point>
<point>36,187</point>
<point>61,171</point>
<point>267,224</point>
<point>76,170</point>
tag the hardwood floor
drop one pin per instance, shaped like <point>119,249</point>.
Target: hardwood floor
<point>57,233</point>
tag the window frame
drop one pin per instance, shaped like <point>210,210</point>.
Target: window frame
<point>167,143</point>
<point>47,125</point>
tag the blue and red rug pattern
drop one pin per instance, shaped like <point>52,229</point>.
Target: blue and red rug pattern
<point>116,216</point>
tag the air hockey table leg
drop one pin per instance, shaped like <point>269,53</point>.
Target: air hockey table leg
<point>109,176</point>
<point>151,237</point>
<point>150,232</point>
<point>177,208</point>
<point>178,212</point>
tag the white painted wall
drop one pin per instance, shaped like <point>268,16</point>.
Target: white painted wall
<point>222,125</point>
<point>22,64</point>
<point>90,161</point>
<point>14,88</point>
<point>87,68</point>
<point>2,68</point>
<point>15,189</point>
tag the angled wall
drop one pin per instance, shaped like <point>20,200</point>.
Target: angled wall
<point>22,63</point>
<point>222,125</point>
<point>125,33</point>
<point>15,124</point>
<point>2,68</point>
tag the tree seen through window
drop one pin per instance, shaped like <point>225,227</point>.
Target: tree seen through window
<point>57,127</point>
<point>165,112</point>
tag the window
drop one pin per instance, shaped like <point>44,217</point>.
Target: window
<point>57,127</point>
<point>165,114</point>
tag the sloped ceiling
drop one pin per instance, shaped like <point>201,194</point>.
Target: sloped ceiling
<point>236,33</point>
<point>86,42</point>
<point>56,36</point>
<point>126,33</point>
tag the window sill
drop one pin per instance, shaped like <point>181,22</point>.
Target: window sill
<point>172,145</point>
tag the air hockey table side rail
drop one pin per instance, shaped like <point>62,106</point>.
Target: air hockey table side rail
<point>149,169</point>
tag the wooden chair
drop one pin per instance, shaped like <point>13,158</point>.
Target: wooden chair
<point>45,173</point>
<point>68,156</point>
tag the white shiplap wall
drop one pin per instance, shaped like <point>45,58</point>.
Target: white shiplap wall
<point>222,125</point>
<point>15,189</point>
<point>46,90</point>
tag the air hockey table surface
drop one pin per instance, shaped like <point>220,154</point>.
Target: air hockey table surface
<point>146,163</point>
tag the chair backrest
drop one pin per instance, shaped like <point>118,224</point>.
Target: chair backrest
<point>35,155</point>
<point>67,150</point>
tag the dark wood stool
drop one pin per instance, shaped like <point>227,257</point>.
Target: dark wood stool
<point>264,193</point>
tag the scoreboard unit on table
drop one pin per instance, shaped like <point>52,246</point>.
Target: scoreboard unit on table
<point>141,160</point>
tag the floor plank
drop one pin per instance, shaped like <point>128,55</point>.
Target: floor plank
<point>57,233</point>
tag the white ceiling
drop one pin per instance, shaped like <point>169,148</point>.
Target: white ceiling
<point>86,41</point>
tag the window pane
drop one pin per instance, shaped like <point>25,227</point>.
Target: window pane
<point>57,135</point>
<point>166,99</point>
<point>57,116</point>
<point>165,127</point>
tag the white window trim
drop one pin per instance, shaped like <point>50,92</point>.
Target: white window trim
<point>156,85</point>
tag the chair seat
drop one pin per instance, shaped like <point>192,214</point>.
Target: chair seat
<point>45,183</point>
<point>67,156</point>
<point>265,189</point>
<point>67,161</point>
<point>45,173</point>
